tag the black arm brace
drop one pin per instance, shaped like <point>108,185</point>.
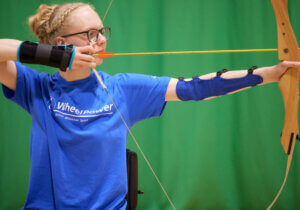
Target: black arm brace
<point>59,56</point>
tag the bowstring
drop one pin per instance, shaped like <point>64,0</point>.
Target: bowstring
<point>111,1</point>
<point>131,134</point>
<point>134,139</point>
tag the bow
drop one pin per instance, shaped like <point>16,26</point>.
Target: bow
<point>288,84</point>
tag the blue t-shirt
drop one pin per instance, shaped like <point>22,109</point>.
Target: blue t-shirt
<point>78,141</point>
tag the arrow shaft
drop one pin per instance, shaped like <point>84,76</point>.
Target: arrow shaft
<point>197,52</point>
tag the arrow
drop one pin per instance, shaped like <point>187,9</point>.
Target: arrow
<point>109,54</point>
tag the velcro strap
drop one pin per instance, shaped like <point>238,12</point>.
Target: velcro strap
<point>43,53</point>
<point>219,73</point>
<point>27,51</point>
<point>250,71</point>
<point>180,78</point>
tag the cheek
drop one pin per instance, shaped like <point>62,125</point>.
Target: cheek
<point>78,41</point>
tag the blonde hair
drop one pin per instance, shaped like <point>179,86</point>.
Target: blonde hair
<point>50,21</point>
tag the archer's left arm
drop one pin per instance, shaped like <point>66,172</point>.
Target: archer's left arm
<point>210,86</point>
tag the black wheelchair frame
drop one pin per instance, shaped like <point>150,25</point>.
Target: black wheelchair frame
<point>132,177</point>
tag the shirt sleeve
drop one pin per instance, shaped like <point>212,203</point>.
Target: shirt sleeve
<point>26,89</point>
<point>144,95</point>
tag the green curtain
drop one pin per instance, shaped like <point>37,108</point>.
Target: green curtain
<point>223,153</point>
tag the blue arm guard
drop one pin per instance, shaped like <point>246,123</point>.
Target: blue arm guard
<point>199,89</point>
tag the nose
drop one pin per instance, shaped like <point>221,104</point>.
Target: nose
<point>101,39</point>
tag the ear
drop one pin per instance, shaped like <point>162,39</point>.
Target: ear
<point>61,41</point>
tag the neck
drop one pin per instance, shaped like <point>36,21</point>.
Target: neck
<point>75,74</point>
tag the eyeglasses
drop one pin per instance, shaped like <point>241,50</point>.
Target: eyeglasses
<point>93,34</point>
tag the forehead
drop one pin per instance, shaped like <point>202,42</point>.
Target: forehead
<point>82,19</point>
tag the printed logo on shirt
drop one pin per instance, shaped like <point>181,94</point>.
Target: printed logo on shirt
<point>71,112</point>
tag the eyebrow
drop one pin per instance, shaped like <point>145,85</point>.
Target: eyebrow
<point>97,28</point>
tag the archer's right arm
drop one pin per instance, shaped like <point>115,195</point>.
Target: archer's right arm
<point>58,56</point>
<point>8,54</point>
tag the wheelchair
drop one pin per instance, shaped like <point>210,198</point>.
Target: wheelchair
<point>132,178</point>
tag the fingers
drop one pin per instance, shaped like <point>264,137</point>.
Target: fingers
<point>87,58</point>
<point>83,58</point>
<point>89,50</point>
<point>290,64</point>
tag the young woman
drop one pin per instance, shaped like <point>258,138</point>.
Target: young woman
<point>78,141</point>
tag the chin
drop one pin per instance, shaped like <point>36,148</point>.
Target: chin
<point>99,61</point>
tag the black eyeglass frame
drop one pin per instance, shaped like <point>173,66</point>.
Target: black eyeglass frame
<point>87,33</point>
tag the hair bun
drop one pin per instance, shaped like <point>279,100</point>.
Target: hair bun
<point>39,23</point>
